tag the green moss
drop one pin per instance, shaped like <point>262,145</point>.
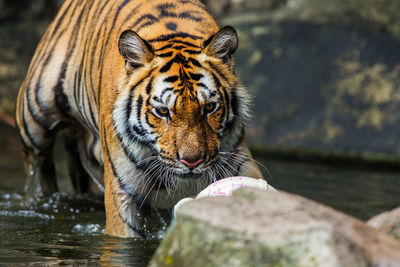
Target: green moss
<point>194,243</point>
<point>245,194</point>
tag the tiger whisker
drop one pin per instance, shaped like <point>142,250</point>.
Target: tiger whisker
<point>146,159</point>
<point>223,170</point>
<point>151,189</point>
<point>160,182</point>
<point>228,164</point>
<point>243,155</point>
<point>243,161</point>
<point>141,176</point>
<point>149,170</point>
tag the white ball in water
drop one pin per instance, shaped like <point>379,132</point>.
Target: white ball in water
<point>224,187</point>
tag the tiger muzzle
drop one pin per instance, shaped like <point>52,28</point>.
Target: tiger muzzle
<point>192,147</point>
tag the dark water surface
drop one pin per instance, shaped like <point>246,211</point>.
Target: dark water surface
<point>360,193</point>
<point>67,229</point>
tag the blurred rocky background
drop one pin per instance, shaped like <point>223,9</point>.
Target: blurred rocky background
<point>22,23</point>
<point>325,74</point>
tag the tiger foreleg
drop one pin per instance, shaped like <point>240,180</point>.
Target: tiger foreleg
<point>125,217</point>
<point>79,177</point>
<point>40,179</point>
<point>126,214</point>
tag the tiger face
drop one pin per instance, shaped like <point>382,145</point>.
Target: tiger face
<point>188,110</point>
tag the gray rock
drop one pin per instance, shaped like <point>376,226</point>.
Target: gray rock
<point>325,74</point>
<point>255,228</point>
<point>388,222</point>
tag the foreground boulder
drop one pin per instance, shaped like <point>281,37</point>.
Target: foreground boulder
<point>257,228</point>
<point>388,222</point>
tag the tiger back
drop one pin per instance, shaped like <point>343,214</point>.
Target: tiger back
<point>146,95</point>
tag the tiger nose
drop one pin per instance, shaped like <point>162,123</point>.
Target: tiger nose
<point>191,165</point>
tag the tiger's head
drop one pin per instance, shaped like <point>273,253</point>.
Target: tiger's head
<point>180,105</point>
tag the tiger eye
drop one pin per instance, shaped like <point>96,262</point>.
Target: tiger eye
<point>162,111</point>
<point>210,107</point>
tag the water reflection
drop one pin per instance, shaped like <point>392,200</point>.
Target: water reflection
<point>128,252</point>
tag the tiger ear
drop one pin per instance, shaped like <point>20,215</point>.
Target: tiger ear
<point>222,44</point>
<point>134,49</point>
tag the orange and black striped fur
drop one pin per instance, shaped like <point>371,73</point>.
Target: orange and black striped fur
<point>146,94</point>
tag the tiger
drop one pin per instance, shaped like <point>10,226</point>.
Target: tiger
<point>146,98</point>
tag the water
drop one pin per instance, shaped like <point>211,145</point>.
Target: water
<point>359,192</point>
<point>66,229</point>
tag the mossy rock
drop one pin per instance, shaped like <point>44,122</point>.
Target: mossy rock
<point>324,75</point>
